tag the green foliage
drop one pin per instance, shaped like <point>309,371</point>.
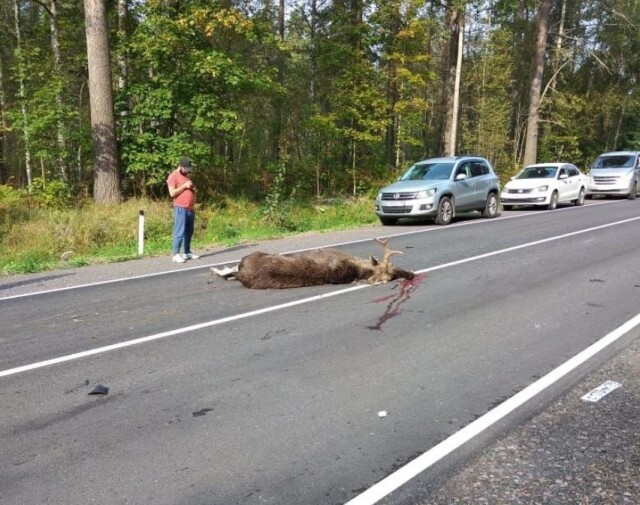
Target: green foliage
<point>10,197</point>
<point>52,194</point>
<point>274,206</point>
<point>351,92</point>
<point>195,95</point>
<point>29,263</point>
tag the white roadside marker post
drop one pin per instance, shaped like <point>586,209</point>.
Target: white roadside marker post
<point>141,233</point>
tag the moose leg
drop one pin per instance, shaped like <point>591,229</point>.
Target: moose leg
<point>226,272</point>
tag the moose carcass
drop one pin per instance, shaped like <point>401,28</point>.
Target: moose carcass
<point>260,270</point>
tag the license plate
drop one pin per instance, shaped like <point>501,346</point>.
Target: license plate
<point>393,203</point>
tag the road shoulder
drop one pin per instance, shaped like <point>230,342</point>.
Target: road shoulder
<point>572,452</point>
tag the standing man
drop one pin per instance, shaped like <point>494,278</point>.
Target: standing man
<point>183,193</point>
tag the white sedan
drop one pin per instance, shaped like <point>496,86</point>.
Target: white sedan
<point>545,184</point>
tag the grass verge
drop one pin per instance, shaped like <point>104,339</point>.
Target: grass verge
<point>38,239</point>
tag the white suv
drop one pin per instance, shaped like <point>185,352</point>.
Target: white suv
<point>615,173</point>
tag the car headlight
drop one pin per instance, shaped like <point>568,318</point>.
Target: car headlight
<point>379,197</point>
<point>420,195</point>
<point>542,189</point>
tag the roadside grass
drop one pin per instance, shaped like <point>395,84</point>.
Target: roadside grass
<point>36,239</point>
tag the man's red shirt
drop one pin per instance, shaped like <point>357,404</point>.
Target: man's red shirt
<point>185,199</point>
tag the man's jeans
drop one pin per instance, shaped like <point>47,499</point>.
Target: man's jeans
<point>183,221</point>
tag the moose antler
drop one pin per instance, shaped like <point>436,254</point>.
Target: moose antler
<point>387,252</point>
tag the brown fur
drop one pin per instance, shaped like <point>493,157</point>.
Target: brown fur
<point>260,270</point>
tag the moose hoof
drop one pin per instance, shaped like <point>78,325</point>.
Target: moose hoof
<point>224,272</point>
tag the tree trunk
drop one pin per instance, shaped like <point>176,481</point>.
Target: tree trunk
<point>317,149</point>
<point>456,90</point>
<point>3,128</point>
<point>123,65</point>
<point>394,117</point>
<point>57,66</point>
<point>106,181</point>
<point>22,95</point>
<point>314,51</point>
<point>278,121</point>
<point>394,25</point>
<point>531,143</point>
<point>452,86</point>
<point>557,55</point>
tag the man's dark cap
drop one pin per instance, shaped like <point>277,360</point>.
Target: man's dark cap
<point>186,164</point>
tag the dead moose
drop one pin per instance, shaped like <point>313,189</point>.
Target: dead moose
<point>260,270</point>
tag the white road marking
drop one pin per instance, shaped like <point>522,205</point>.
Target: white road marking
<point>597,394</point>
<point>403,475</point>
<point>209,265</point>
<point>171,333</point>
<point>528,244</point>
<point>215,322</point>
<point>102,283</point>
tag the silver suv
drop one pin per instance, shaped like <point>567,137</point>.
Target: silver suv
<point>438,188</point>
<point>615,173</point>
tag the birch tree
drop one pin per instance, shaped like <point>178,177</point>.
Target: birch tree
<point>3,125</point>
<point>57,68</point>
<point>22,94</point>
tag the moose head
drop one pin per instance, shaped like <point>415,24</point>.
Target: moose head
<point>260,270</point>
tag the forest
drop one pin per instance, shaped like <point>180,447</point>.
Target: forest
<point>306,98</point>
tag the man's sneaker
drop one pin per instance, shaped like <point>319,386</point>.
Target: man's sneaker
<point>178,259</point>
<point>191,256</point>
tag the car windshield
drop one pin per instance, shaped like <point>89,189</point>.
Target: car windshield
<point>537,173</point>
<point>620,161</point>
<point>428,172</point>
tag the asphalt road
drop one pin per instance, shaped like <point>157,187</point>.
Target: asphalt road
<point>223,395</point>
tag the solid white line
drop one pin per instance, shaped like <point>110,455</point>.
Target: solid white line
<point>528,244</point>
<point>413,232</point>
<point>102,283</point>
<point>179,331</point>
<point>400,477</point>
<point>165,334</point>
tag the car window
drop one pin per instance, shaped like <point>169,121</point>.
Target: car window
<point>478,168</point>
<point>463,168</point>
<point>428,172</point>
<point>537,173</point>
<point>573,172</point>
<point>616,161</point>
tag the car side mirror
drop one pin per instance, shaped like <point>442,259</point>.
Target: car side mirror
<point>563,176</point>
<point>461,177</point>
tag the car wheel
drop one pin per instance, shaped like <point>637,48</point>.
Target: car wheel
<point>633,190</point>
<point>492,207</point>
<point>553,203</point>
<point>388,221</point>
<point>581,196</point>
<point>445,211</point>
